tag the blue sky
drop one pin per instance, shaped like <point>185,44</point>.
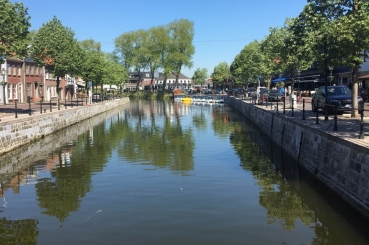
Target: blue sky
<point>222,27</point>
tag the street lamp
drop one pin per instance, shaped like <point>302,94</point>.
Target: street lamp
<point>4,83</point>
<point>330,77</point>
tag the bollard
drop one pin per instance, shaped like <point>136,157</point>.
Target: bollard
<point>303,109</point>
<point>293,115</point>
<point>271,104</point>
<point>77,100</point>
<point>40,106</point>
<point>82,101</point>
<point>277,105</point>
<point>335,118</point>
<point>71,102</point>
<point>29,106</point>
<point>65,102</point>
<point>326,108</point>
<point>317,111</point>
<point>58,104</point>
<point>361,110</point>
<point>50,106</point>
<point>16,110</point>
<point>284,106</point>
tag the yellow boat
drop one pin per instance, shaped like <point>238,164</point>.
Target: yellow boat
<point>187,99</point>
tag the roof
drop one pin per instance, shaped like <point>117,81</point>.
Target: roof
<point>364,77</point>
<point>172,76</point>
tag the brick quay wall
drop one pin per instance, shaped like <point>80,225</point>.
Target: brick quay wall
<point>28,129</point>
<point>341,165</point>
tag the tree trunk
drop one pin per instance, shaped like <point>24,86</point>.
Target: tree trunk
<point>354,94</point>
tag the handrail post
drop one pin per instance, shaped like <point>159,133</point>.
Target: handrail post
<point>292,107</point>
<point>335,118</point>
<point>317,112</point>
<point>29,106</point>
<point>16,110</point>
<point>361,110</point>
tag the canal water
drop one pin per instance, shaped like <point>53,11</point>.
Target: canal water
<point>166,173</point>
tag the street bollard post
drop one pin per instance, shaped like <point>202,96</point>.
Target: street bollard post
<point>16,109</point>
<point>29,106</point>
<point>284,106</point>
<point>317,112</point>
<point>293,115</point>
<point>335,118</point>
<point>303,109</point>
<point>361,111</point>
<point>50,106</point>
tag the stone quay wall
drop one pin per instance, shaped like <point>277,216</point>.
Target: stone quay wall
<point>339,164</point>
<point>27,130</point>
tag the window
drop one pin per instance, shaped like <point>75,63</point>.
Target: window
<point>29,86</point>
<point>32,70</point>
<point>19,70</point>
<point>14,70</point>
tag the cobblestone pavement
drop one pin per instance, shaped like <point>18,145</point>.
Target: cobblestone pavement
<point>347,128</point>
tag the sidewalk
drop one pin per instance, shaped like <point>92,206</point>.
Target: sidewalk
<point>347,128</point>
<point>9,112</point>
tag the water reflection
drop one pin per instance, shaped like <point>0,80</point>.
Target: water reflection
<point>18,231</point>
<point>290,194</point>
<point>165,136</point>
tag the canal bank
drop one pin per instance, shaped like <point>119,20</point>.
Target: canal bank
<point>334,159</point>
<point>26,129</point>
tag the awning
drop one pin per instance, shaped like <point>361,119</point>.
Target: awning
<point>280,79</point>
<point>364,77</point>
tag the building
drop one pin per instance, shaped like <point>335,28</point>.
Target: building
<point>23,81</point>
<point>184,82</point>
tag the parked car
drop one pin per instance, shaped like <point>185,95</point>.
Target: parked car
<point>339,96</point>
<point>250,91</point>
<point>275,95</point>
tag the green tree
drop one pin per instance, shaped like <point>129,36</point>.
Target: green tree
<point>140,60</point>
<point>181,34</point>
<point>199,76</point>
<point>93,67</point>
<point>154,48</point>
<point>55,47</point>
<point>14,24</point>
<point>221,73</point>
<point>341,29</point>
<point>248,64</point>
<point>115,74</point>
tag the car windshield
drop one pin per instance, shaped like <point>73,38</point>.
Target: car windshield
<point>274,91</point>
<point>339,91</point>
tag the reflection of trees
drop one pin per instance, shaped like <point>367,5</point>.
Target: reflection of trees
<point>220,121</point>
<point>168,146</point>
<point>71,179</point>
<point>276,195</point>
<point>18,231</point>
<point>199,120</point>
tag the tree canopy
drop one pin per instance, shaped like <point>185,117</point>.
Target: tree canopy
<point>199,76</point>
<point>14,22</point>
<point>55,47</point>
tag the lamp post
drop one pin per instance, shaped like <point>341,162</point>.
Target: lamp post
<point>330,77</point>
<point>4,83</point>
